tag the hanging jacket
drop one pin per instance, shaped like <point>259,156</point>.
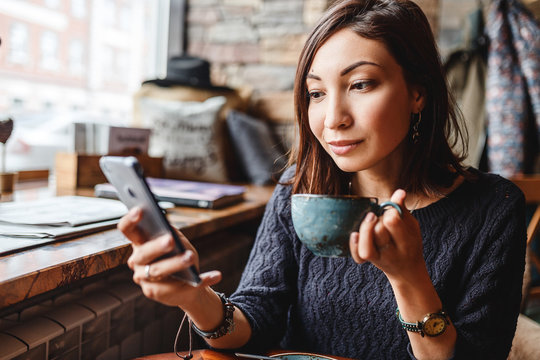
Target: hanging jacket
<point>466,73</point>
<point>512,88</point>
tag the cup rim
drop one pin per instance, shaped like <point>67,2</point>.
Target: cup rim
<point>346,197</point>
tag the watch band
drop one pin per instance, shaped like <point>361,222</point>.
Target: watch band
<point>418,326</point>
<point>226,327</point>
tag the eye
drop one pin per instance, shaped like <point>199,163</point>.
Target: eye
<point>315,95</point>
<point>362,85</point>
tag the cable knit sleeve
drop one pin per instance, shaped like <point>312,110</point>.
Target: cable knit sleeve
<point>489,288</point>
<point>268,284</point>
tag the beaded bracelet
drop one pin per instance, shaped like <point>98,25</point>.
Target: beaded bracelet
<point>226,327</point>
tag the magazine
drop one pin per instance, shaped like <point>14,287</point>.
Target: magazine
<point>185,193</point>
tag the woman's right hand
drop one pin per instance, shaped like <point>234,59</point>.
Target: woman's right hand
<point>159,286</point>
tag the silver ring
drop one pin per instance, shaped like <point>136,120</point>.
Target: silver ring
<point>147,271</point>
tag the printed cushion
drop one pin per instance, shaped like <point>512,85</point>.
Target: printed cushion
<point>188,135</point>
<point>260,155</point>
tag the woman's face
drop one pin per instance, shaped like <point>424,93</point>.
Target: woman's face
<point>360,104</point>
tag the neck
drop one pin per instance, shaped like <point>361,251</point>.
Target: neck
<point>368,184</point>
<point>364,184</point>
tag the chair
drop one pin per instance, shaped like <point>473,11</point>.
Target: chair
<point>530,185</point>
<point>525,344</point>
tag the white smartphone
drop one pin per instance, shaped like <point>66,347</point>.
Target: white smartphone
<point>126,175</point>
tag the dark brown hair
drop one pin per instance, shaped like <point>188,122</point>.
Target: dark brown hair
<point>404,29</point>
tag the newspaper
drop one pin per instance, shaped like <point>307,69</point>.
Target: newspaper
<point>28,224</point>
<point>68,211</point>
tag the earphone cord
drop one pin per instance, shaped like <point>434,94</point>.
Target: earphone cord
<point>190,354</point>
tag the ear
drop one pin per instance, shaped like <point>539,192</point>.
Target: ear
<point>418,99</point>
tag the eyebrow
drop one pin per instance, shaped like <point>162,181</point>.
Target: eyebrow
<point>347,70</point>
<point>351,67</point>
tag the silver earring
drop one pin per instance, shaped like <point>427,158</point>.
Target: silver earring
<point>415,132</point>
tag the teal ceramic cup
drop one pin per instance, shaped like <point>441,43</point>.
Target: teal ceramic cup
<point>324,223</point>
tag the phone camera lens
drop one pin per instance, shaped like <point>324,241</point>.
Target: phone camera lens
<point>130,192</point>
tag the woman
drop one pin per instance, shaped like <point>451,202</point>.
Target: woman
<point>374,116</point>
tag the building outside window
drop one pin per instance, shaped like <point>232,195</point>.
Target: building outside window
<point>76,57</point>
<point>78,8</point>
<point>18,43</point>
<point>109,14</point>
<point>53,4</point>
<point>49,51</point>
<point>74,61</point>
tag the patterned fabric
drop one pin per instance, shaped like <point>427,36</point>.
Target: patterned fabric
<point>474,247</point>
<point>188,134</point>
<point>513,85</point>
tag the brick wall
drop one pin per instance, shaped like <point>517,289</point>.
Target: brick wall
<point>110,318</point>
<point>107,320</point>
<point>256,44</point>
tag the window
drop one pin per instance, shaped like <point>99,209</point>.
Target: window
<point>87,72</point>
<point>125,18</point>
<point>76,57</point>
<point>78,8</point>
<point>109,15</point>
<point>18,47</point>
<point>53,4</point>
<point>107,62</point>
<point>49,50</point>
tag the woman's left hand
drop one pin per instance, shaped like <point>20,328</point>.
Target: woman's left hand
<point>391,242</point>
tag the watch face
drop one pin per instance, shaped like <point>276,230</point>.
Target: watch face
<point>434,325</point>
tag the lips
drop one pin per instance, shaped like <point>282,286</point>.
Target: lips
<point>343,147</point>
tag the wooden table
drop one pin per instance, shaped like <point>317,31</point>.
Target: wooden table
<point>33,272</point>
<point>217,355</point>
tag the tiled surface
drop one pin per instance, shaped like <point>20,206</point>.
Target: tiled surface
<point>35,332</point>
<point>10,347</point>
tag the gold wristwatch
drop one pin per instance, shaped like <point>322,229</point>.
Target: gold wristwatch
<point>433,324</point>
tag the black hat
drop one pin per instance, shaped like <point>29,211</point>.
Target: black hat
<point>187,70</point>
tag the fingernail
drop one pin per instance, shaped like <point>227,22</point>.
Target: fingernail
<point>166,241</point>
<point>188,255</point>
<point>370,217</point>
<point>134,213</point>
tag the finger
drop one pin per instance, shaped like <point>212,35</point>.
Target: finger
<point>210,278</point>
<point>163,268</point>
<point>366,247</point>
<point>396,205</point>
<point>382,238</point>
<point>149,251</point>
<point>128,226</point>
<point>407,225</point>
<point>399,197</point>
<point>169,291</point>
<point>393,218</point>
<point>353,247</point>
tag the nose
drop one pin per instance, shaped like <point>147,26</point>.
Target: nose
<point>338,115</point>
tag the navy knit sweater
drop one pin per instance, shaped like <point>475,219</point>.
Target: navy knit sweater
<point>474,247</point>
